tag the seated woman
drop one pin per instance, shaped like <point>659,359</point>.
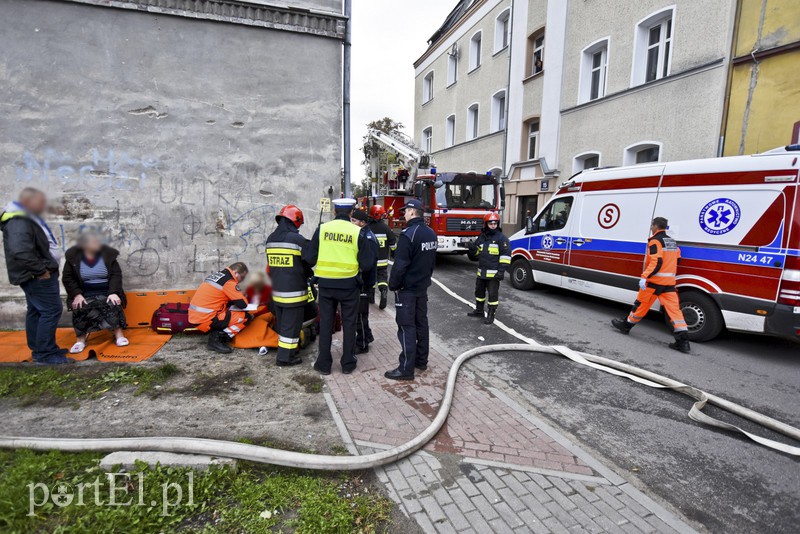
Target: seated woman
<point>93,280</point>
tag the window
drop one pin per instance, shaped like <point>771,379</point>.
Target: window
<point>536,53</point>
<point>589,160</point>
<point>472,121</point>
<point>594,65</point>
<point>533,139</point>
<point>554,217</point>
<point>647,155</point>
<point>427,139</point>
<point>653,48</point>
<point>475,51</point>
<point>467,190</point>
<point>502,27</point>
<point>642,153</point>
<point>499,111</point>
<point>452,66</point>
<point>450,131</point>
<point>427,88</point>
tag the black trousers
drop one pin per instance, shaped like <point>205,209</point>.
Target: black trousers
<point>487,285</point>
<point>288,323</point>
<point>412,329</point>
<point>363,331</point>
<point>329,300</point>
<point>383,277</point>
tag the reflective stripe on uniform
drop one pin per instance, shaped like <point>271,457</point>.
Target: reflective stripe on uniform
<point>383,263</point>
<point>663,275</point>
<point>285,251</point>
<point>291,246</point>
<point>487,272</point>
<point>213,284</point>
<point>201,310</point>
<point>478,299</point>
<point>383,284</point>
<point>288,342</point>
<point>505,260</point>
<point>495,303</point>
<point>7,216</point>
<point>290,297</point>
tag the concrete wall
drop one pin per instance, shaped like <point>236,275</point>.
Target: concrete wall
<point>162,132</point>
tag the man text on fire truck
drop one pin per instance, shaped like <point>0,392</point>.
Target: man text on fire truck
<point>290,272</point>
<point>387,242</point>
<point>414,261</point>
<point>368,280</point>
<point>218,307</point>
<point>658,282</point>
<point>492,251</point>
<point>339,249</point>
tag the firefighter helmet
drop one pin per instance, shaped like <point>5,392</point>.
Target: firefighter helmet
<point>292,213</point>
<point>377,212</point>
<point>492,216</point>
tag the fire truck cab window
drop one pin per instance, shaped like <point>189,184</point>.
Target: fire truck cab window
<point>554,217</point>
<point>465,195</point>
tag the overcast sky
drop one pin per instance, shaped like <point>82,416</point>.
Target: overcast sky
<point>388,36</point>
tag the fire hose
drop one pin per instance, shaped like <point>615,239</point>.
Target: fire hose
<point>255,453</point>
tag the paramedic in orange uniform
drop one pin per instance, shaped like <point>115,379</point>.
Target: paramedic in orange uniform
<point>658,282</point>
<point>212,307</point>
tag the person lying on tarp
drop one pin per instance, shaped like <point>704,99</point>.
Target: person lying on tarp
<point>219,307</point>
<point>93,281</point>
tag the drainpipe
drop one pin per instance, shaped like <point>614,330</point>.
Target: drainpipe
<point>348,12</point>
<point>729,82</point>
<point>508,90</point>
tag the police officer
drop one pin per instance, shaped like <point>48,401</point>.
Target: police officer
<point>387,242</point>
<point>367,290</point>
<point>414,261</point>
<point>290,274</point>
<point>492,251</point>
<point>339,249</point>
<point>658,283</point>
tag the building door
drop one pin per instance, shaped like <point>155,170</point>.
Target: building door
<point>527,210</point>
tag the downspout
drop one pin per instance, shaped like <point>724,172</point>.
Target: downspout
<point>508,90</point>
<point>348,42</point>
<point>726,105</point>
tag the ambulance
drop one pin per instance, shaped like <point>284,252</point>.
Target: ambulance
<point>736,220</point>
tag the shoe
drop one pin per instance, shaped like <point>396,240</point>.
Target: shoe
<point>476,313</point>
<point>489,317</point>
<point>681,343</point>
<point>55,360</point>
<point>217,343</point>
<point>362,350</point>
<point>622,325</point>
<point>122,342</point>
<point>348,371</point>
<point>370,339</point>
<point>397,374</point>
<point>320,371</point>
<point>421,367</point>
<point>78,347</point>
<point>294,361</point>
<point>384,298</point>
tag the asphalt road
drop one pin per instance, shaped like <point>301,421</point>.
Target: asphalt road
<point>718,480</point>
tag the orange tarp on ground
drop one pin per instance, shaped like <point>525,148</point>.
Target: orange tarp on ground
<point>257,334</point>
<point>142,304</point>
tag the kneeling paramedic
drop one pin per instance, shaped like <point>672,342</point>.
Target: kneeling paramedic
<point>492,251</point>
<point>387,242</point>
<point>414,261</point>
<point>658,283</point>
<point>339,249</point>
<point>218,307</point>
<point>367,290</point>
<point>290,272</point>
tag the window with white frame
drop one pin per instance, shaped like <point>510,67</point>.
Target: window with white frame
<point>427,88</point>
<point>452,66</point>
<point>475,46</point>
<point>648,152</point>
<point>472,121</point>
<point>532,126</point>
<point>594,65</point>
<point>502,29</point>
<point>427,139</point>
<point>499,111</point>
<point>589,160</point>
<point>653,47</point>
<point>450,131</point>
<point>536,43</point>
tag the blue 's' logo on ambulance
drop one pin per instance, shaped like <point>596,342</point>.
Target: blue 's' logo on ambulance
<point>720,216</point>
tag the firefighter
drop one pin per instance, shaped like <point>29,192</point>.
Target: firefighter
<point>387,242</point>
<point>658,283</point>
<point>218,307</point>
<point>492,251</point>
<point>290,290</point>
<point>414,261</point>
<point>367,290</point>
<point>339,249</point>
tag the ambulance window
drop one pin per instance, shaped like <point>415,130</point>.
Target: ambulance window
<point>554,217</point>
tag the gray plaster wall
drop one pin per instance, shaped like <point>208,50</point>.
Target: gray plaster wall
<point>178,139</point>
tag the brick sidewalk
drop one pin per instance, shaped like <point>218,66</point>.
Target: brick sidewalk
<point>493,467</point>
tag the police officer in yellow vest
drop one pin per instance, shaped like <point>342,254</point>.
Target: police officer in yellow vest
<point>340,251</point>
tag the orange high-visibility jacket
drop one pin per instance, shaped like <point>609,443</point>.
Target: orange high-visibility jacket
<point>215,294</point>
<point>662,259</point>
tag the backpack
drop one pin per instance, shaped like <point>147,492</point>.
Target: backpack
<point>172,318</point>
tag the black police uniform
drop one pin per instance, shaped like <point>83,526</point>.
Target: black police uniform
<point>414,261</point>
<point>368,280</point>
<point>492,251</point>
<point>342,292</point>
<point>387,242</point>
<point>290,272</point>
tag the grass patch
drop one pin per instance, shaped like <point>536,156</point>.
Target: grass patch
<point>311,383</point>
<point>79,383</point>
<point>256,498</point>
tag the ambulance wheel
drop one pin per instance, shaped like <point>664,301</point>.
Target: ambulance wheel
<point>522,274</point>
<point>702,315</point>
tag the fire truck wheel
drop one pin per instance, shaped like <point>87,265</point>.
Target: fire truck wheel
<point>702,316</point>
<point>521,274</point>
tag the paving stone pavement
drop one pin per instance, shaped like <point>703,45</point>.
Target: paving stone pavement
<point>493,467</point>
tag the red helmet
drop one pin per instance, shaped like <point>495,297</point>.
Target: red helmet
<point>491,217</point>
<point>377,212</point>
<point>292,213</point>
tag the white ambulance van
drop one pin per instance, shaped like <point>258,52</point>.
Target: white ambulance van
<point>736,220</point>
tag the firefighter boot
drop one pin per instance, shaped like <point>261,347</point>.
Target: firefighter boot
<point>218,342</point>
<point>622,325</point>
<point>384,297</point>
<point>681,343</point>
<point>490,315</point>
<point>478,311</point>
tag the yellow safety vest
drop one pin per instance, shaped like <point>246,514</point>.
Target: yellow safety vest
<point>338,250</point>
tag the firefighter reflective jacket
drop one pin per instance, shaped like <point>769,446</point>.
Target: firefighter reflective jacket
<point>287,268</point>
<point>387,241</point>
<point>492,251</point>
<point>661,262</point>
<point>215,294</point>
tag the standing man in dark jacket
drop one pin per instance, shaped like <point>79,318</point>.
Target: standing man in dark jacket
<point>414,261</point>
<point>387,242</point>
<point>32,257</point>
<point>492,251</point>
<point>290,274</point>
<point>368,280</point>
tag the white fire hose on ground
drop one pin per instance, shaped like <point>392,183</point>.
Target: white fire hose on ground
<point>267,455</point>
